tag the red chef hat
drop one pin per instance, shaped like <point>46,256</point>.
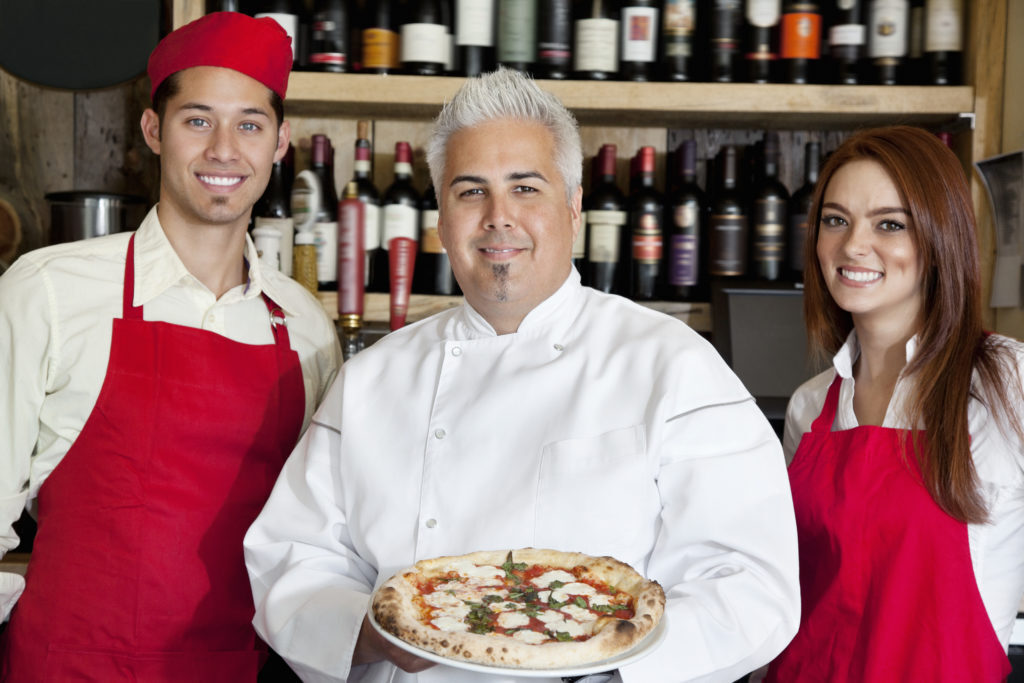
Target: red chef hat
<point>258,48</point>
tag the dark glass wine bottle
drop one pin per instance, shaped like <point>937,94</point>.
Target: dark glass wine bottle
<point>799,211</point>
<point>606,220</point>
<point>517,34</point>
<point>769,208</point>
<point>366,192</point>
<point>638,47</point>
<point>433,273</point>
<point>686,213</point>
<point>474,36</point>
<point>762,40</point>
<point>211,6</point>
<point>914,68</point>
<point>596,31</point>
<point>726,25</point>
<point>943,41</point>
<point>679,21</point>
<point>423,45</point>
<point>847,37</point>
<point>274,208</point>
<point>800,46</point>
<point>887,38</point>
<point>727,225</point>
<point>328,50</point>
<point>325,229</point>
<point>400,209</point>
<point>380,36</point>
<point>646,216</point>
<point>554,39</point>
<point>286,13</point>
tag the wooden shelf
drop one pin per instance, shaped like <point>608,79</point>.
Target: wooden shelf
<point>671,105</point>
<point>377,308</point>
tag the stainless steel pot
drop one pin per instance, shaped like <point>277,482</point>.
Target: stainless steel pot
<point>79,215</point>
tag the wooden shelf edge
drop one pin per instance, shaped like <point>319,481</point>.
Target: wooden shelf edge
<point>377,308</point>
<point>15,563</point>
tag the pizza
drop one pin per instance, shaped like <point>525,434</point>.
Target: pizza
<point>529,608</point>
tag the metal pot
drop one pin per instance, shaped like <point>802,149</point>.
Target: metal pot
<point>79,215</point>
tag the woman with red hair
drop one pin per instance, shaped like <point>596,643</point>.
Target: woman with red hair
<point>907,455</point>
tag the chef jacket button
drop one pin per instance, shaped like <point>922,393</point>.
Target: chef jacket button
<point>431,523</point>
<point>456,350</point>
<point>559,347</point>
<point>439,433</point>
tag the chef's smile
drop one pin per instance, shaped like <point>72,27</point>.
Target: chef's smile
<point>220,183</point>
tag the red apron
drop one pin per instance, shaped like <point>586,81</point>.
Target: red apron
<point>137,571</point>
<point>887,587</point>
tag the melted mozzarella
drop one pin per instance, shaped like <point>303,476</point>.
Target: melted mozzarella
<point>446,623</point>
<point>602,599</point>
<point>481,575</point>
<point>545,579</point>
<point>544,596</point>
<point>562,594</point>
<point>513,620</point>
<point>530,637</point>
<point>579,614</point>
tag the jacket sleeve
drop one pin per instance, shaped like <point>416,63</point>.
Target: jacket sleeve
<point>311,589</point>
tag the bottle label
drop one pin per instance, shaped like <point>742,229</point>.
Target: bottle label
<point>801,35</point>
<point>286,227</point>
<point>517,30</point>
<point>728,245</point>
<point>579,245</point>
<point>769,230</point>
<point>399,221</point>
<point>647,242</point>
<point>304,266</point>
<point>424,43</point>
<point>597,47</point>
<point>888,33</point>
<point>639,34</point>
<point>327,58</point>
<point>685,245</point>
<point>430,241</point>
<point>361,166</point>
<point>474,22</point>
<point>290,24</point>
<point>371,214</point>
<point>678,28</point>
<point>943,26</point>
<point>847,34</point>
<point>554,33</point>
<point>604,230</point>
<point>267,241</point>
<point>763,13</point>
<point>380,49</point>
<point>326,240</point>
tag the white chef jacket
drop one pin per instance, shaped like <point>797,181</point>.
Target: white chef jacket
<point>599,426</point>
<point>56,308</point>
<point>997,547</point>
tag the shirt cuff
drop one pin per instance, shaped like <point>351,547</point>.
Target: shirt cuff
<point>11,587</point>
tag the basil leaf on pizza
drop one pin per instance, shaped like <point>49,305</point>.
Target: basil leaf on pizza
<point>529,608</point>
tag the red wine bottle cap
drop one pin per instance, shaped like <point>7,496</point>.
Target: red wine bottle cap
<point>646,160</point>
<point>403,152</point>
<point>688,157</point>
<point>321,149</point>
<point>606,160</point>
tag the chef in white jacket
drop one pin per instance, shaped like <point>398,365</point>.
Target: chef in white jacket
<point>540,413</point>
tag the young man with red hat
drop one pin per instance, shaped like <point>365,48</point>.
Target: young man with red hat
<point>156,382</point>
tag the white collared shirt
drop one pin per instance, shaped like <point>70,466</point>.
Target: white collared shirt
<point>599,426</point>
<point>997,547</point>
<point>56,308</point>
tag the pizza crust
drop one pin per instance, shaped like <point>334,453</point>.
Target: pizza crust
<point>396,612</point>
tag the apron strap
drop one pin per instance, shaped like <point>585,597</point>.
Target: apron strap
<point>823,423</point>
<point>128,311</point>
<point>278,323</point>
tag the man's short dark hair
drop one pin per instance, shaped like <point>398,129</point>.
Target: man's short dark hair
<point>170,87</point>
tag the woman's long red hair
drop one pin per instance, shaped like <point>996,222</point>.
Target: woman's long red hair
<point>951,344</point>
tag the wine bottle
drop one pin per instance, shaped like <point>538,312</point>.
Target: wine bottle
<point>799,211</point>
<point>846,39</point>
<point>366,192</point>
<point>474,35</point>
<point>517,34</point>
<point>686,212</point>
<point>554,39</point>
<point>286,13</point>
<point>274,208</point>
<point>325,229</point>
<point>639,39</point>
<point>400,211</point>
<point>887,38</point>
<point>762,30</point>
<point>679,20</point>
<point>380,37</point>
<point>433,274</point>
<point>646,215</point>
<point>914,70</point>
<point>770,200</point>
<point>424,40</point>
<point>726,22</point>
<point>728,221</point>
<point>329,34</point>
<point>801,40</point>
<point>596,56</point>
<point>350,271</point>
<point>606,220</point>
<point>211,6</point>
<point>943,41</point>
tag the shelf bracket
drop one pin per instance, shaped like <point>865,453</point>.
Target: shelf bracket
<point>968,117</point>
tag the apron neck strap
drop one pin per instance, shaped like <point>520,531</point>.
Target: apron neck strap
<point>130,312</point>
<point>823,423</point>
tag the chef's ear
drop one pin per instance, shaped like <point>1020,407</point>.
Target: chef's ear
<point>151,130</point>
<point>576,211</point>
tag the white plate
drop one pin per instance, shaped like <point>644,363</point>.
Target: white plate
<point>637,652</point>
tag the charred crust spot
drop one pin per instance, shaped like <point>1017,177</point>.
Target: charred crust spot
<point>625,628</point>
<point>444,643</point>
<point>489,650</point>
<point>467,654</point>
